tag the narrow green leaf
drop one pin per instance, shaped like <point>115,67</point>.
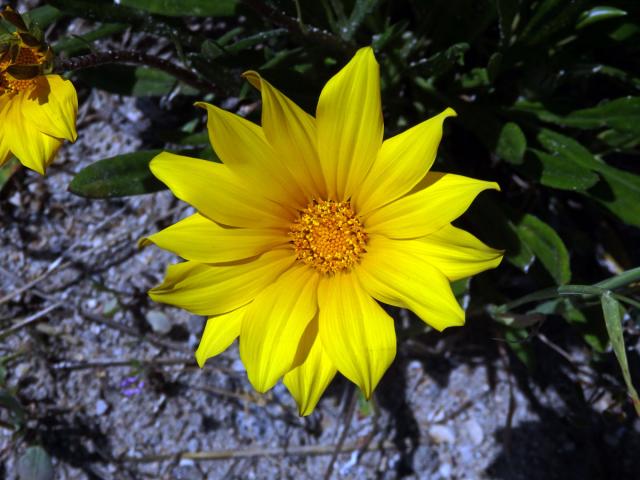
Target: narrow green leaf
<point>613,312</point>
<point>518,340</point>
<point>620,140</point>
<point>13,405</point>
<point>441,62</point>
<point>597,14</point>
<point>35,464</point>
<point>511,144</point>
<point>547,246</point>
<point>119,176</point>
<point>185,8</point>
<point>7,170</point>
<point>560,172</point>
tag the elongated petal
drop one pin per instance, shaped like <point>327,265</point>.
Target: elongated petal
<point>215,289</point>
<point>219,332</point>
<point>357,334</point>
<point>292,133</point>
<point>402,162</point>
<point>203,240</point>
<point>308,381</point>
<point>396,277</point>
<point>34,149</point>
<point>453,251</point>
<point>243,147</point>
<point>350,128</point>
<point>438,200</point>
<point>274,324</point>
<point>52,107</point>
<point>217,193</point>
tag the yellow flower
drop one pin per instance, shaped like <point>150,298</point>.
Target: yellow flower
<point>307,225</point>
<point>37,111</point>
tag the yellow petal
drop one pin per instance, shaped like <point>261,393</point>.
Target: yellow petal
<point>217,193</point>
<point>34,149</point>
<point>274,324</point>
<point>215,289</point>
<point>438,199</point>
<point>52,107</point>
<point>203,240</point>
<point>308,381</point>
<point>350,129</point>
<point>402,162</point>
<point>394,276</point>
<point>219,332</point>
<point>292,133</point>
<point>243,147</point>
<point>356,333</point>
<point>453,251</point>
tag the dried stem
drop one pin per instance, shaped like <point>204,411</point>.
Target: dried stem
<point>260,452</point>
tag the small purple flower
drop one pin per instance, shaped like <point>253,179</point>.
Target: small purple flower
<point>131,386</point>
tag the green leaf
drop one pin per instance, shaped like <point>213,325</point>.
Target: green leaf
<point>597,14</point>
<point>118,176</point>
<point>547,246</point>
<point>76,44</point>
<point>560,172</point>
<point>518,340</point>
<point>130,80</point>
<point>613,312</point>
<point>35,464</point>
<point>442,62</point>
<point>620,140</point>
<point>507,11</point>
<point>551,17</point>
<point>184,8</point>
<point>618,190</point>
<point>621,114</point>
<point>43,16</point>
<point>13,405</point>
<point>511,144</point>
<point>7,170</point>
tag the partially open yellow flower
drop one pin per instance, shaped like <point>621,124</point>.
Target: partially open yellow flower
<point>37,111</point>
<point>307,225</point>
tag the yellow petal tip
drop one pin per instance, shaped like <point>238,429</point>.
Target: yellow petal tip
<point>144,242</point>
<point>253,78</point>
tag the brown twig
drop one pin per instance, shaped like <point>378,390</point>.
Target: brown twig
<point>123,363</point>
<point>29,320</point>
<point>353,400</point>
<point>300,450</point>
<point>95,59</point>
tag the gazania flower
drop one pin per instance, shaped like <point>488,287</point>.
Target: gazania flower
<point>307,225</point>
<point>37,110</point>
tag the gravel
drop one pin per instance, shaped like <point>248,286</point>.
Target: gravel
<point>111,390</point>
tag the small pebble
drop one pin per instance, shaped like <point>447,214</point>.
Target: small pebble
<point>441,434</point>
<point>101,407</point>
<point>474,430</point>
<point>159,321</point>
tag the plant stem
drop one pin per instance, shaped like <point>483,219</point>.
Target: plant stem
<point>599,288</point>
<point>136,58</point>
<point>296,27</point>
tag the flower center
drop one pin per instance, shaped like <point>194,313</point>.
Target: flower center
<point>328,236</point>
<point>20,65</point>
